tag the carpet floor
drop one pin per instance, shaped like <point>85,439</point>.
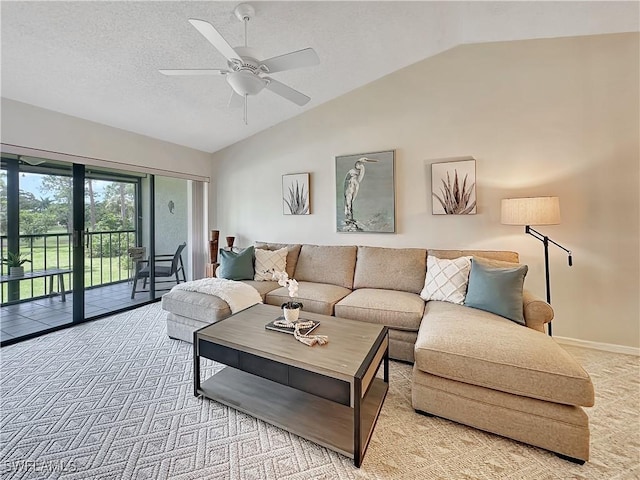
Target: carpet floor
<point>113,399</point>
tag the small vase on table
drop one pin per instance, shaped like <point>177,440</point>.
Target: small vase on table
<point>291,311</point>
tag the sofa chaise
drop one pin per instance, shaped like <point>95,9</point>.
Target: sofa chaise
<point>470,366</point>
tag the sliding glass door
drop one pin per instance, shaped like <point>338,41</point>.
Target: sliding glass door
<point>91,240</point>
<point>115,257</point>
<point>36,242</point>
<point>77,232</point>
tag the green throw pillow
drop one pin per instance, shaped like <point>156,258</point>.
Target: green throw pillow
<point>236,265</point>
<point>497,290</point>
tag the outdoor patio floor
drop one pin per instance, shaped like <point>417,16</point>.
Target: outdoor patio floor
<point>31,317</point>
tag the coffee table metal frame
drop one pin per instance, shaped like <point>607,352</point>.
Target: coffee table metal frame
<point>334,410</point>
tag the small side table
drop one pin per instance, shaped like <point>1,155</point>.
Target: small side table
<point>50,272</point>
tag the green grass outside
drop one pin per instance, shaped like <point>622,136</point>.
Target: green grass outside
<point>98,271</point>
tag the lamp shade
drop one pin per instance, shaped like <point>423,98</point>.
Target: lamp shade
<point>531,211</point>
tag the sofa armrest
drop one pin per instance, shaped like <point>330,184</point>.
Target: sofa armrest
<point>537,312</point>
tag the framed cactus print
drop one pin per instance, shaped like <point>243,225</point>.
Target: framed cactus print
<point>295,194</point>
<point>453,187</point>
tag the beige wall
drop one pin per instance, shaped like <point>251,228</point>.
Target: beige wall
<point>171,227</point>
<point>33,127</point>
<point>542,117</point>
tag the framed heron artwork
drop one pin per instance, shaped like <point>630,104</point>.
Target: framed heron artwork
<point>453,187</point>
<point>295,194</point>
<point>365,193</point>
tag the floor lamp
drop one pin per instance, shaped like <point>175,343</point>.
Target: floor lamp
<point>535,211</point>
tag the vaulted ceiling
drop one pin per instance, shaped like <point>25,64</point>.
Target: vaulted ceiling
<point>99,60</point>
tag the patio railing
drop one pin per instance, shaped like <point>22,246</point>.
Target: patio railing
<point>106,259</point>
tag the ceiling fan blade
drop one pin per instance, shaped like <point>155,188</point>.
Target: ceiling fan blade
<point>301,58</point>
<point>287,92</point>
<point>193,71</point>
<point>209,32</point>
<point>235,100</point>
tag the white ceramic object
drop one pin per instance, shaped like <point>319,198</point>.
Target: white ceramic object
<point>291,314</point>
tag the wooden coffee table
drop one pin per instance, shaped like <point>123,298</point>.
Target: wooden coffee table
<point>328,394</point>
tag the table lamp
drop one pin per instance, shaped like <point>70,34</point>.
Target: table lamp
<point>535,211</point>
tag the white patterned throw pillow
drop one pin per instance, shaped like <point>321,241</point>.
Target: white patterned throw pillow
<point>446,280</point>
<point>269,261</point>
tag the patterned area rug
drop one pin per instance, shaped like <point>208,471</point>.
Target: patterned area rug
<point>113,399</point>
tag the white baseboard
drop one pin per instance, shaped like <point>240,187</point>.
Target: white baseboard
<point>607,347</point>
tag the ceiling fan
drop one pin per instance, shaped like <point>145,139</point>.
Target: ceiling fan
<point>245,73</point>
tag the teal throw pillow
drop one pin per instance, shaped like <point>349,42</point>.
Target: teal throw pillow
<point>236,265</point>
<point>497,290</point>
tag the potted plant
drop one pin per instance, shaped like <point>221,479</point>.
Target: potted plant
<point>291,309</point>
<point>15,262</point>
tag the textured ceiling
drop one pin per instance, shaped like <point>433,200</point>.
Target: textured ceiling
<point>99,60</point>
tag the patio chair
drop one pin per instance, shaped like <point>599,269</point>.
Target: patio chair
<point>137,255</point>
<point>161,271</point>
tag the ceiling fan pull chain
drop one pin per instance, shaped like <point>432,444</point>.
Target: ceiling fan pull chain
<point>245,109</point>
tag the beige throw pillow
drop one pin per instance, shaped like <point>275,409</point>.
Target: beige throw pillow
<point>269,261</point>
<point>446,280</point>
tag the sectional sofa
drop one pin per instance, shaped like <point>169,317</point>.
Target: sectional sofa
<point>470,366</point>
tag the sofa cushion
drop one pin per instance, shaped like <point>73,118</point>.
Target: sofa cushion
<point>269,261</point>
<point>236,265</point>
<point>480,348</point>
<point>196,305</point>
<point>492,262</point>
<point>502,255</point>
<point>537,312</point>
<point>446,279</point>
<point>497,290</point>
<point>262,287</point>
<point>391,268</point>
<point>553,426</point>
<point>293,250</point>
<point>326,264</point>
<point>556,412</point>
<point>399,310</point>
<point>315,297</point>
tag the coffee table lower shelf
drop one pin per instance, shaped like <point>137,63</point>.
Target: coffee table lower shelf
<point>321,421</point>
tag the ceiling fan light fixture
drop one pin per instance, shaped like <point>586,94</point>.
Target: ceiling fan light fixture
<point>245,83</point>
<point>244,74</point>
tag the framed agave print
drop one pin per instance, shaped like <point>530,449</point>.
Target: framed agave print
<point>365,193</point>
<point>453,187</point>
<point>295,194</point>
